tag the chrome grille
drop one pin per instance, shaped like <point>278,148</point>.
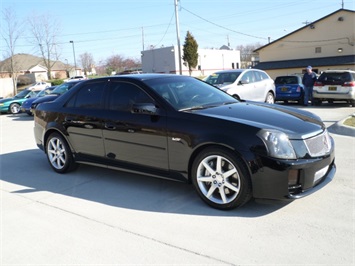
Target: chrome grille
<point>319,145</point>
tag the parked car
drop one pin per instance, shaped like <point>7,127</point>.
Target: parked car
<point>26,105</point>
<point>181,128</point>
<point>289,88</point>
<point>245,84</point>
<point>62,88</point>
<point>335,85</point>
<point>13,105</point>
<point>75,78</point>
<point>39,85</point>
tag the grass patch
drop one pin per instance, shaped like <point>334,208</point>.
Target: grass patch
<point>350,121</point>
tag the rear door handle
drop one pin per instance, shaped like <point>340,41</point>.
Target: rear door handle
<point>110,126</point>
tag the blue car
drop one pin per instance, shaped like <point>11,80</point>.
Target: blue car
<point>59,90</point>
<point>26,105</point>
<point>289,88</point>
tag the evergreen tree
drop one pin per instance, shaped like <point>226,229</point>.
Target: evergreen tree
<point>190,55</point>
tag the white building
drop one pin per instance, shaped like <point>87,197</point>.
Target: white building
<point>165,60</point>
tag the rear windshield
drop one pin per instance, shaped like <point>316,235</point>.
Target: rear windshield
<point>337,77</point>
<point>222,78</point>
<point>286,80</point>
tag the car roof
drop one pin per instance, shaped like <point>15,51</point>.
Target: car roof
<point>147,76</point>
<point>230,71</point>
<point>338,71</point>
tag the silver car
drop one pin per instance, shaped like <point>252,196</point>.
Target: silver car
<point>245,84</point>
<point>335,85</point>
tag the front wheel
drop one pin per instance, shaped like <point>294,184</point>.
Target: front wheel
<point>14,108</point>
<point>220,179</point>
<point>270,98</point>
<point>59,154</point>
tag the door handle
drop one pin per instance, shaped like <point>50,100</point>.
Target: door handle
<point>110,126</point>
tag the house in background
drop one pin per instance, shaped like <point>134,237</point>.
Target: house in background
<point>166,60</point>
<point>33,67</point>
<point>327,43</point>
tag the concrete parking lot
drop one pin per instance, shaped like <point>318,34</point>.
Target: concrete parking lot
<point>96,216</point>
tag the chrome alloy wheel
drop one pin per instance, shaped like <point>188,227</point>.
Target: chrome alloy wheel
<point>57,154</point>
<point>218,179</point>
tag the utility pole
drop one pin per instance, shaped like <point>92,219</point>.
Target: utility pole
<point>143,38</point>
<point>178,35</point>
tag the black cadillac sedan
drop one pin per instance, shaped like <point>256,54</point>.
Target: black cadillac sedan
<point>181,128</point>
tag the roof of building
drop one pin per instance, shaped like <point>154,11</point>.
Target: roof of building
<point>314,62</point>
<point>25,62</point>
<point>306,26</point>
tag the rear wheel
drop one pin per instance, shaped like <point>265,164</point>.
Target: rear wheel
<point>59,154</point>
<point>317,102</point>
<point>220,179</point>
<point>270,98</point>
<point>14,108</point>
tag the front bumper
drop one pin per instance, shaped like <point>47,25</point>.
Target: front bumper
<point>272,180</point>
<point>4,108</point>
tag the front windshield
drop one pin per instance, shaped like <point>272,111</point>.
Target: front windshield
<point>22,94</point>
<point>188,93</point>
<point>224,78</point>
<point>63,88</point>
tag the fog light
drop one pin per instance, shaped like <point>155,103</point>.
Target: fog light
<point>293,177</point>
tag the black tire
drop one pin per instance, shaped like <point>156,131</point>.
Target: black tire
<point>270,98</point>
<point>14,108</point>
<point>301,100</point>
<point>317,102</point>
<point>59,154</point>
<point>29,113</point>
<point>220,179</point>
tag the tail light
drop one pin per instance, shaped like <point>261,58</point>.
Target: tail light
<point>318,83</point>
<point>349,84</point>
<point>298,89</point>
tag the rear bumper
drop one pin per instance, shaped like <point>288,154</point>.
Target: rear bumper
<point>336,96</point>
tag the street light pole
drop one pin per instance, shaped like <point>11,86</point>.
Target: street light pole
<point>72,42</point>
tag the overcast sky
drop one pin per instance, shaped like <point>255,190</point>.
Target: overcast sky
<point>109,27</point>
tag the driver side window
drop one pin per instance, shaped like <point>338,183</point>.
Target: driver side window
<point>123,95</point>
<point>248,77</point>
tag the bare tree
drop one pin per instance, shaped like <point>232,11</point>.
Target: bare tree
<point>11,31</point>
<point>87,62</point>
<point>118,63</point>
<point>246,54</point>
<point>45,31</point>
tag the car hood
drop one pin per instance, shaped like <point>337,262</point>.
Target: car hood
<point>7,100</point>
<point>48,98</point>
<point>297,124</point>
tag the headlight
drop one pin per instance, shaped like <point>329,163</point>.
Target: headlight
<point>277,143</point>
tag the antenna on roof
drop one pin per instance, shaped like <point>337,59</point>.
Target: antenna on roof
<point>342,4</point>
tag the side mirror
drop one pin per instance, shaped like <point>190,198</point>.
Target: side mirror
<point>144,108</point>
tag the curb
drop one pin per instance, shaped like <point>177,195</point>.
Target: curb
<point>341,129</point>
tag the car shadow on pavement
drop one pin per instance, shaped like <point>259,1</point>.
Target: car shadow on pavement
<point>28,173</point>
<point>20,117</point>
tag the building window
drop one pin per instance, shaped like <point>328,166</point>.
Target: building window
<point>318,50</point>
